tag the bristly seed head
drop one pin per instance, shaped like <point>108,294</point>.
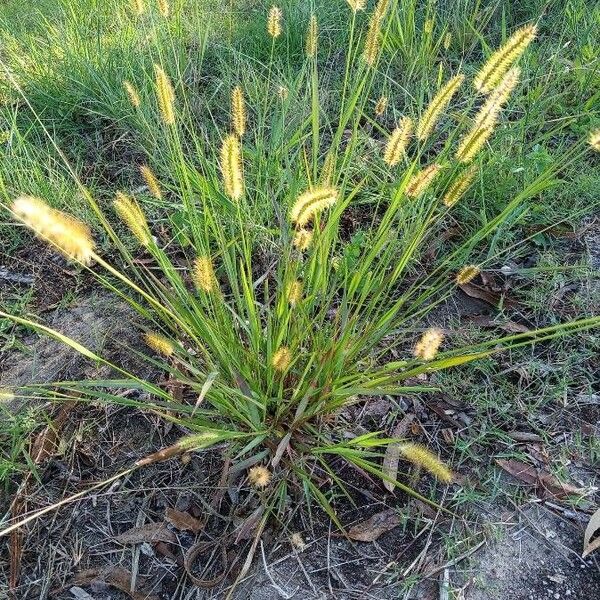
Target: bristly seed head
<point>297,542</point>
<point>294,292</point>
<point>151,181</point>
<point>422,180</point>
<point>283,93</point>
<point>421,456</point>
<point>165,95</point>
<point>459,187</point>
<point>467,274</point>
<point>372,41</point>
<point>489,112</point>
<point>303,239</point>
<point>472,143</point>
<point>134,97</point>
<point>131,214</point>
<point>259,476</point>
<point>159,344</point>
<point>164,8</point>
<point>311,203</point>
<point>70,236</point>
<point>357,5</point>
<point>274,22</point>
<point>238,111</point>
<point>312,37</point>
<point>500,62</point>
<point>138,7</point>
<point>204,275</point>
<point>398,142</point>
<point>381,105</point>
<point>439,103</point>
<point>281,359</point>
<point>594,140</point>
<point>231,167</point>
<point>429,344</point>
<point>6,396</point>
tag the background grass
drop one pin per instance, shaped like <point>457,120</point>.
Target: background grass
<point>71,58</point>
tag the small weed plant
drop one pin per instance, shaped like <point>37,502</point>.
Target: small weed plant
<point>294,277</point>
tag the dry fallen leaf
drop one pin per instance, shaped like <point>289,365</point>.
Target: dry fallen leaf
<point>542,480</point>
<point>182,521</point>
<point>487,295</point>
<point>490,321</point>
<point>592,527</point>
<point>46,443</point>
<point>375,526</point>
<point>116,577</point>
<point>392,452</point>
<point>151,532</point>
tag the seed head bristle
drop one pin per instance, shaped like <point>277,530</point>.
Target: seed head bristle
<point>357,5</point>
<point>500,61</point>
<point>312,36</point>
<point>238,111</point>
<point>421,456</point>
<point>231,167</point>
<point>151,181</point>
<point>372,41</point>
<point>472,143</point>
<point>159,344</point>
<point>132,93</point>
<point>132,215</point>
<point>138,7</point>
<point>294,292</point>
<point>489,112</point>
<point>594,140</point>
<point>459,186</point>
<point>467,274</point>
<point>164,8</point>
<point>381,8</point>
<point>281,359</point>
<point>297,542</point>
<point>283,92</point>
<point>274,22</point>
<point>259,476</point>
<point>429,344</point>
<point>422,180</point>
<point>303,239</point>
<point>311,203</point>
<point>6,396</point>
<point>165,95</point>
<point>398,142</point>
<point>439,103</point>
<point>204,275</point>
<point>68,235</point>
<point>447,40</point>
<point>381,106</point>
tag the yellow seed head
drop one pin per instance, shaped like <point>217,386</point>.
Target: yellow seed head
<point>231,167</point>
<point>311,203</point>
<point>437,106</point>
<point>594,140</point>
<point>134,97</point>
<point>489,112</point>
<point>381,105</point>
<point>303,239</point>
<point>459,187</point>
<point>357,5</point>
<point>283,92</point>
<point>138,7</point>
<point>422,180</point>
<point>372,42</point>
<point>419,455</point>
<point>398,142</point>
<point>238,111</point>
<point>294,292</point>
<point>297,542</point>
<point>500,62</point>
<point>6,396</point>
<point>281,359</point>
<point>311,37</point>
<point>69,236</point>
<point>428,26</point>
<point>165,96</point>
<point>204,274</point>
<point>429,344</point>
<point>447,40</point>
<point>259,476</point>
<point>131,214</point>
<point>159,344</point>
<point>151,181</point>
<point>274,22</point>
<point>472,143</point>
<point>164,8</point>
<point>381,8</point>
<point>467,274</point>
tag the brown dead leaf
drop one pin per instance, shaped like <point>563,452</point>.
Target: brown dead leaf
<point>183,521</point>
<point>46,442</point>
<point>151,532</point>
<point>592,527</point>
<point>116,577</point>
<point>392,452</point>
<point>542,480</point>
<point>375,526</point>
<point>489,321</point>
<point>487,295</point>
